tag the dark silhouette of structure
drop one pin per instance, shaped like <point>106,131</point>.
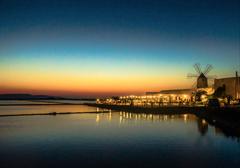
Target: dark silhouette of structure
<point>231,86</point>
<point>202,78</point>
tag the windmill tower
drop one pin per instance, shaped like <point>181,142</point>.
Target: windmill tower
<point>202,78</point>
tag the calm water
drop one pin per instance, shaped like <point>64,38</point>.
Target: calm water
<point>35,109</point>
<point>115,139</point>
<point>45,109</point>
<point>44,101</point>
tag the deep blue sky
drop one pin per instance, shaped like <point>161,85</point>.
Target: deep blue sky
<point>217,19</point>
<point>119,37</point>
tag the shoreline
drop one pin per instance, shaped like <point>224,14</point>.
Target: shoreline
<point>168,109</point>
<point>52,113</point>
<point>42,104</point>
<point>225,118</point>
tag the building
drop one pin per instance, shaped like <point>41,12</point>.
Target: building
<point>231,85</point>
<point>173,91</point>
<point>175,95</point>
<point>195,96</point>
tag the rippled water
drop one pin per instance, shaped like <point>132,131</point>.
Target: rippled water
<point>115,139</point>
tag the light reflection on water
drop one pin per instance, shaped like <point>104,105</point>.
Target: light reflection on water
<point>115,139</point>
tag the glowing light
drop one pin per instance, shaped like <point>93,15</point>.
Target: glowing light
<point>110,116</point>
<point>120,119</point>
<point>97,118</point>
<point>185,117</point>
<point>204,121</point>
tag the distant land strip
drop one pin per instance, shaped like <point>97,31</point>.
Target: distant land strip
<point>43,104</point>
<point>52,113</point>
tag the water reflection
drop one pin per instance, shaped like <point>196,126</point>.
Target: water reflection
<point>97,118</point>
<point>202,125</point>
<point>156,117</point>
<point>10,110</point>
<point>114,139</point>
<point>110,116</point>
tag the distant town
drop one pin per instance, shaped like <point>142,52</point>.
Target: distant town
<point>224,91</point>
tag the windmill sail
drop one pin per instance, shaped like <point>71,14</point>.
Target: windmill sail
<point>202,78</point>
<point>207,69</point>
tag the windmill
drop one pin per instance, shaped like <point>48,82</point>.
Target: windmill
<point>202,77</point>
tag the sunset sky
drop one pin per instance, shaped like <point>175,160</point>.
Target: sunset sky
<point>117,47</point>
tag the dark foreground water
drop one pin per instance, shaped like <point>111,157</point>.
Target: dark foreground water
<point>115,139</point>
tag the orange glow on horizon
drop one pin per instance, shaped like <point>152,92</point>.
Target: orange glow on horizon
<point>66,83</point>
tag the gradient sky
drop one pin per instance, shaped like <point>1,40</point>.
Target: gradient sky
<point>116,47</point>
